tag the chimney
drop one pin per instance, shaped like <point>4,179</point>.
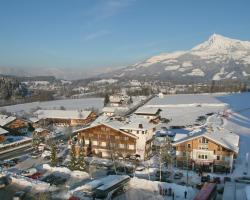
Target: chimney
<point>140,126</point>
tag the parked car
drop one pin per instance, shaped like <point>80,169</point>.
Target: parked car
<point>140,168</point>
<point>243,179</point>
<point>227,179</point>
<point>4,181</point>
<point>205,178</point>
<point>217,180</point>
<point>165,174</point>
<point>178,175</point>
<point>35,176</point>
<point>29,172</point>
<point>35,154</point>
<point>19,195</point>
<point>111,172</point>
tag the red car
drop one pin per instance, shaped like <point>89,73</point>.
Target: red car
<point>37,175</point>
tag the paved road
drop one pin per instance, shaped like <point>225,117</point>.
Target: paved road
<point>17,153</point>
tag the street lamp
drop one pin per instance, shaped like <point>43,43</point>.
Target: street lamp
<point>91,177</point>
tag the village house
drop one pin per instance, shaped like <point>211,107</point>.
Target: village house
<point>3,134</point>
<point>148,112</point>
<point>122,138</point>
<point>118,100</point>
<point>65,117</point>
<point>41,132</point>
<point>16,125</point>
<point>213,150</point>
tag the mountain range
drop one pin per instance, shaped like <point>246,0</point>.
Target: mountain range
<point>218,58</point>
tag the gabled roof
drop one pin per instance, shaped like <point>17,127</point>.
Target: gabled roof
<point>147,110</point>
<point>62,114</point>
<point>222,137</point>
<point>4,120</point>
<point>3,131</point>
<point>113,125</point>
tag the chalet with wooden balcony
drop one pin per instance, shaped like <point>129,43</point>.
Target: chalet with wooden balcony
<point>209,149</point>
<point>123,139</point>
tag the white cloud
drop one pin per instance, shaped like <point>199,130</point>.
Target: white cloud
<point>96,35</point>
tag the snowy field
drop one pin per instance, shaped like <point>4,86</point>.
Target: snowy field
<point>237,107</point>
<point>69,104</point>
<point>184,109</point>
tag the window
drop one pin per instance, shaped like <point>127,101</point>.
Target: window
<point>204,141</point>
<point>199,156</point>
<point>125,138</point>
<point>103,144</point>
<point>218,157</point>
<point>86,141</point>
<point>189,145</point>
<point>122,146</point>
<point>137,132</point>
<point>117,137</point>
<point>214,152</point>
<point>205,156</point>
<point>94,142</point>
<point>142,132</point>
<point>131,146</point>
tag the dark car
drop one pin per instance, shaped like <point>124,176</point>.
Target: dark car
<point>227,179</point>
<point>244,179</point>
<point>111,172</point>
<point>19,195</point>
<point>204,179</point>
<point>4,181</point>
<point>165,174</point>
<point>178,175</point>
<point>216,180</point>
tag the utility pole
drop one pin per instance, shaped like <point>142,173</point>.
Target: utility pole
<point>187,162</point>
<point>160,163</point>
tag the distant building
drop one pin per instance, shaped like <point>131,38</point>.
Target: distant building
<point>65,117</point>
<point>41,132</point>
<point>209,150</point>
<point>118,100</point>
<point>148,112</point>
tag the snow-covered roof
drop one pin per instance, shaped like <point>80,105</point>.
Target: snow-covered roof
<point>34,119</point>
<point>4,119</point>
<point>62,114</point>
<point>222,137</point>
<point>39,130</point>
<point>179,136</point>
<point>3,131</point>
<point>109,109</point>
<point>139,124</point>
<point>112,124</point>
<point>147,111</point>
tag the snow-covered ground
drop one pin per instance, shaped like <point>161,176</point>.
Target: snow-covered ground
<point>69,104</point>
<point>184,109</point>
<point>144,189</point>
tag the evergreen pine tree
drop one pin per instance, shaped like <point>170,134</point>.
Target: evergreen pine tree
<point>73,160</point>
<point>89,148</point>
<point>81,162</point>
<point>53,155</point>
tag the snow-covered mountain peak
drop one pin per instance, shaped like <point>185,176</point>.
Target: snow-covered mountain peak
<point>218,43</point>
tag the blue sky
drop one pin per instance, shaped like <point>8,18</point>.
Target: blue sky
<point>87,34</point>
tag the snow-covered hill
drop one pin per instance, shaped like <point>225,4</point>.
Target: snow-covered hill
<point>217,58</point>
